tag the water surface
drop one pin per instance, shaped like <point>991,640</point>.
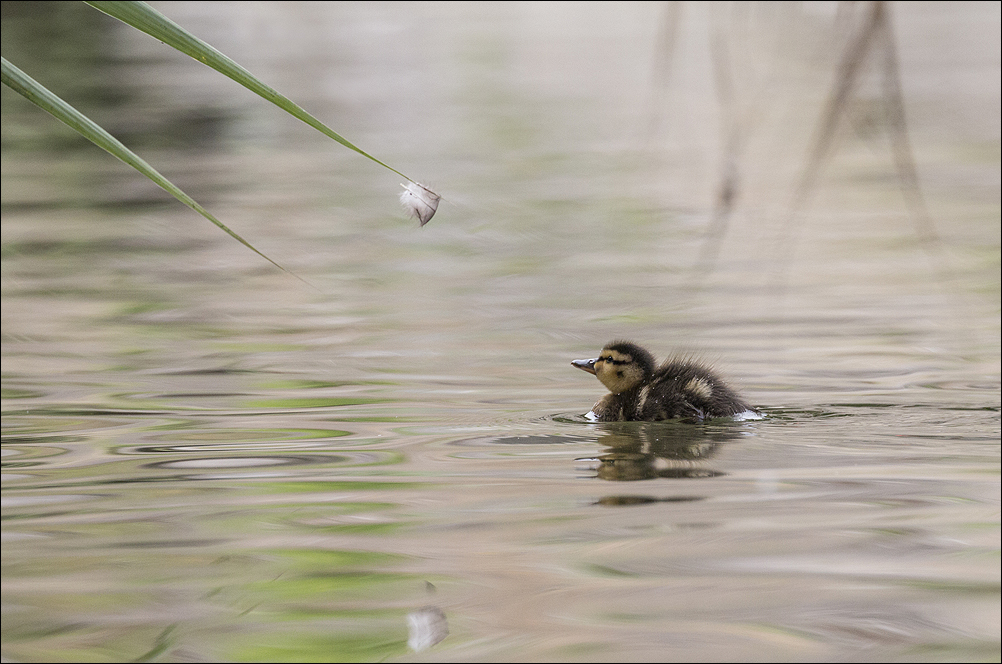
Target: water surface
<point>205,459</point>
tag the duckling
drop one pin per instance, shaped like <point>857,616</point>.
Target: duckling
<point>641,390</point>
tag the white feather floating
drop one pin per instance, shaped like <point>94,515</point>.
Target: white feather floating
<point>420,201</point>
<point>426,627</point>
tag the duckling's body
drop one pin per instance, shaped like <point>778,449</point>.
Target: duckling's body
<point>641,390</point>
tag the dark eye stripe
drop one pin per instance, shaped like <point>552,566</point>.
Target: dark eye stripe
<point>612,361</point>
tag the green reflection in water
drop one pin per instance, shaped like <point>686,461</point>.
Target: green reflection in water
<point>299,648</point>
<point>334,559</point>
<point>162,643</point>
<point>252,347</point>
<point>326,486</point>
<point>606,571</point>
<point>362,528</point>
<point>989,587</point>
<point>329,586</point>
<point>332,599</point>
<point>312,402</point>
<point>245,435</point>
<point>332,508</point>
<point>958,651</point>
<point>300,384</point>
<point>386,419</point>
<point>14,393</point>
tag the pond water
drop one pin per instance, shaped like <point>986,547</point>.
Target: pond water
<point>207,459</point>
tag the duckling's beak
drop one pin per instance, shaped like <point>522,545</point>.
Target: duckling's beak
<point>585,365</point>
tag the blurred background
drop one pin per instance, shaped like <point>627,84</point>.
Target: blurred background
<point>208,459</point>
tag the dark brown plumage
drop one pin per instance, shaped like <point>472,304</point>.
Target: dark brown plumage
<point>641,390</point>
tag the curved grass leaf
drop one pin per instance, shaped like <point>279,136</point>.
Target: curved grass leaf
<point>146,19</point>
<point>39,95</point>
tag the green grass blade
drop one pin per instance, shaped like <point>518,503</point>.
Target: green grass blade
<point>39,95</point>
<point>143,17</point>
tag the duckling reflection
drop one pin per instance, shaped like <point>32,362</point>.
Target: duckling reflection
<point>664,449</point>
<point>639,389</point>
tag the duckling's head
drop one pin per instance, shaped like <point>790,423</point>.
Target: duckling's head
<point>621,366</point>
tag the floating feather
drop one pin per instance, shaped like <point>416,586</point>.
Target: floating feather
<point>420,201</point>
<point>426,627</point>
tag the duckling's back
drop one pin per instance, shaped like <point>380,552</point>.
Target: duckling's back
<point>682,388</point>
